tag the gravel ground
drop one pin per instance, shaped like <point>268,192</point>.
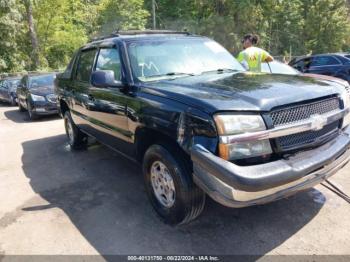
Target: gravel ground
<point>56,201</point>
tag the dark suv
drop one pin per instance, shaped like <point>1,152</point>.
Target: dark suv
<point>186,109</point>
<point>36,95</point>
<point>337,65</point>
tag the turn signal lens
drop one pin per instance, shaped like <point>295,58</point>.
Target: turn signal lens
<point>244,150</point>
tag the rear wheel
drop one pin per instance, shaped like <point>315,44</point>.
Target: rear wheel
<point>169,185</point>
<point>76,138</point>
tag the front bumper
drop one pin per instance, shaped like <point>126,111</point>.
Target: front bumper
<point>241,186</point>
<point>44,108</point>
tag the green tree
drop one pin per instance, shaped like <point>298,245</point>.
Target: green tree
<point>326,26</point>
<point>10,24</point>
<point>121,14</point>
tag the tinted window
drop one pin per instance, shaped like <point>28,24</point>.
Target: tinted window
<point>348,60</point>
<point>302,64</point>
<point>13,83</point>
<point>85,64</point>
<point>108,59</point>
<point>42,80</point>
<point>2,84</point>
<point>324,60</point>
<point>68,72</point>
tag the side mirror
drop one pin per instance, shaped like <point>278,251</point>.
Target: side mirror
<point>104,78</point>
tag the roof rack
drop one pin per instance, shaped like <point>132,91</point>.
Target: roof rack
<point>139,32</point>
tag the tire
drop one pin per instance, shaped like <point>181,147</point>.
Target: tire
<point>31,114</point>
<point>13,101</point>
<point>76,139</point>
<point>187,201</point>
<point>20,107</point>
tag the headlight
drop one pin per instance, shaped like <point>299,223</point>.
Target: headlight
<point>229,124</point>
<point>238,124</point>
<point>346,100</point>
<point>37,98</point>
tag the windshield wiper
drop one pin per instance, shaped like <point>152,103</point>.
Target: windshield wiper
<point>221,70</point>
<point>172,74</point>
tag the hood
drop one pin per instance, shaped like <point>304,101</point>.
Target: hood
<point>329,78</point>
<point>42,90</point>
<point>243,91</point>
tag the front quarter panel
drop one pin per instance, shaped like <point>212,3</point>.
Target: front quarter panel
<point>179,122</point>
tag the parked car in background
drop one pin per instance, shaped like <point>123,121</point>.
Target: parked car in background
<point>277,67</point>
<point>8,87</point>
<point>199,124</point>
<point>36,94</point>
<point>337,65</point>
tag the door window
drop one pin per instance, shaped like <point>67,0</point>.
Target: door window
<point>302,64</point>
<point>85,65</point>
<point>324,61</point>
<point>109,59</point>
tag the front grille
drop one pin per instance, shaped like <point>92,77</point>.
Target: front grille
<point>302,112</point>
<point>309,137</point>
<point>52,98</point>
<point>298,113</point>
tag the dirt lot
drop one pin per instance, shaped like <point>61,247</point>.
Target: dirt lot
<point>55,201</point>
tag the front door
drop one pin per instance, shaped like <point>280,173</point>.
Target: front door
<point>107,116</point>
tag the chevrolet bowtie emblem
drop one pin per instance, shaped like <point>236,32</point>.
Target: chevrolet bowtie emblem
<point>318,122</point>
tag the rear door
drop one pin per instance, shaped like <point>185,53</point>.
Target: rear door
<point>108,114</point>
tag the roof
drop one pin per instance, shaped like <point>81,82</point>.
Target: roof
<point>139,33</point>
<point>11,78</point>
<point>40,73</point>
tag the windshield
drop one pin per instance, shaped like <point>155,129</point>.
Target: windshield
<point>276,67</point>
<point>42,80</point>
<point>169,58</point>
<point>13,83</point>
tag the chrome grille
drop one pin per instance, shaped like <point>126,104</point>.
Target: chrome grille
<point>309,137</point>
<point>298,113</point>
<point>52,98</point>
<point>302,112</point>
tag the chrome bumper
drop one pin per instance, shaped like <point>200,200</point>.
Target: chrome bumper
<point>237,186</point>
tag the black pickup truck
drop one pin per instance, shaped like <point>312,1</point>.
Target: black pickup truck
<point>199,124</point>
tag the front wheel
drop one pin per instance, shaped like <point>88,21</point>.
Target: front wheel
<point>76,138</point>
<point>13,100</point>
<point>31,113</point>
<point>20,107</point>
<point>169,185</point>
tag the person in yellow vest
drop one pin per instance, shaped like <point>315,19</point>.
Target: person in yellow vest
<point>252,57</point>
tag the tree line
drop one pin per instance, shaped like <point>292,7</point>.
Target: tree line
<point>43,34</point>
